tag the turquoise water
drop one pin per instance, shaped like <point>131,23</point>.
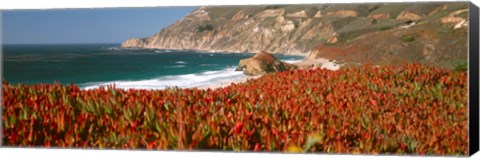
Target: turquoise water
<point>93,65</point>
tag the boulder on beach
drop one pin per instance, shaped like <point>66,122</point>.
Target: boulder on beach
<point>262,63</point>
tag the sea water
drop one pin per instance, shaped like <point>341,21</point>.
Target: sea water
<point>94,65</point>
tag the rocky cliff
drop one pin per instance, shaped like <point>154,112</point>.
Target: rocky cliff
<point>276,29</point>
<point>350,32</point>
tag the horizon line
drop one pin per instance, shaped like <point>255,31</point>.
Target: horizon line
<point>57,43</point>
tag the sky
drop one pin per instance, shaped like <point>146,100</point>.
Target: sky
<point>98,25</point>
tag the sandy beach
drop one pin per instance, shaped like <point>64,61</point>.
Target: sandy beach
<point>319,63</point>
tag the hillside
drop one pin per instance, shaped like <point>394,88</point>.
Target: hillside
<point>432,33</point>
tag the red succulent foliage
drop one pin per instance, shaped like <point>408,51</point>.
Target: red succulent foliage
<point>411,109</point>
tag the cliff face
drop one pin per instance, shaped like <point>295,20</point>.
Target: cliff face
<point>365,28</point>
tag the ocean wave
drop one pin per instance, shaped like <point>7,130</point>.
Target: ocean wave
<point>180,62</point>
<point>165,50</point>
<point>208,64</point>
<point>113,48</point>
<point>144,50</point>
<point>206,78</point>
<point>175,66</point>
<point>117,48</point>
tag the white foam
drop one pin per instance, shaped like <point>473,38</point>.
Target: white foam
<point>180,62</point>
<point>113,48</point>
<point>328,64</point>
<point>128,48</point>
<point>291,61</point>
<point>208,64</point>
<point>209,72</point>
<point>119,48</point>
<point>207,78</point>
<point>175,66</point>
<point>163,50</point>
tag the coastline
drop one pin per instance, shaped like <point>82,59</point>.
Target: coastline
<point>303,64</point>
<point>212,51</point>
<point>319,63</point>
<point>212,79</point>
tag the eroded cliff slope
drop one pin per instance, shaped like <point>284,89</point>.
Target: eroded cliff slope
<point>348,32</point>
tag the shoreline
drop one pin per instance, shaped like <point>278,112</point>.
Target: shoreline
<point>211,51</point>
<point>217,79</point>
<point>303,64</point>
<point>319,63</point>
<point>212,86</point>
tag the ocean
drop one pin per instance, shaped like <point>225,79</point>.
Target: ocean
<point>93,65</point>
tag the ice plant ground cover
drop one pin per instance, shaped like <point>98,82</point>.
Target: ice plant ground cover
<point>404,109</point>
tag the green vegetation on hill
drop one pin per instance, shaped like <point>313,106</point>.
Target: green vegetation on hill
<point>205,27</point>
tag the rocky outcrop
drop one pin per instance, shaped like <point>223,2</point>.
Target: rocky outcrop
<point>300,14</point>
<point>343,13</point>
<point>134,42</point>
<point>262,63</point>
<point>406,15</point>
<point>379,16</point>
<point>451,19</point>
<point>441,8</point>
<point>455,20</point>
<point>318,14</point>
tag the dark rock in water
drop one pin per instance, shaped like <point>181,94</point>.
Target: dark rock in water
<point>262,63</point>
<point>240,69</point>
